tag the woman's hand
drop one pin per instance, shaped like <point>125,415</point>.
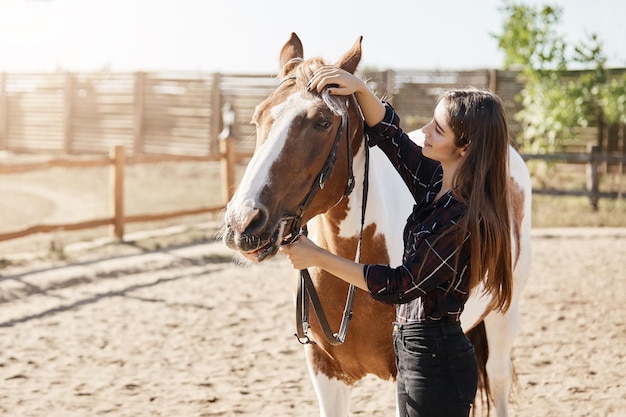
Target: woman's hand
<point>304,254</point>
<point>342,83</point>
<point>301,253</point>
<point>338,81</point>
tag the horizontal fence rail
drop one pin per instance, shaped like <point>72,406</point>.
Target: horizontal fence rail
<point>117,161</point>
<point>594,160</point>
<point>229,157</point>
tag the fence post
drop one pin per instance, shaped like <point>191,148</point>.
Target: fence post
<point>592,176</point>
<point>492,80</point>
<point>227,153</point>
<point>138,127</point>
<point>4,119</point>
<point>214,122</point>
<point>389,85</point>
<point>67,112</point>
<point>116,197</point>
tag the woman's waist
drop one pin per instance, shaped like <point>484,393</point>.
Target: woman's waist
<point>418,313</point>
<point>445,326</point>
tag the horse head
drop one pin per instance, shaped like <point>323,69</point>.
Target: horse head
<point>302,164</point>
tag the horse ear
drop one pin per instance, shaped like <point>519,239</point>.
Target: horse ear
<point>292,49</point>
<point>350,60</point>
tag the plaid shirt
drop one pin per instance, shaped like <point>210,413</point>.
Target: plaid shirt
<point>427,286</point>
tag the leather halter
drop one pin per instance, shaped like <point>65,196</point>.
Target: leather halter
<point>324,174</point>
<point>320,181</point>
<point>307,293</point>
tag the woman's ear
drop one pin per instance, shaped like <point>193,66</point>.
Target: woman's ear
<point>463,150</point>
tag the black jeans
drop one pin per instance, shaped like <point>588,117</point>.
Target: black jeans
<point>437,369</point>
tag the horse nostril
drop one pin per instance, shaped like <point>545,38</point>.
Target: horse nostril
<point>246,217</point>
<point>258,220</point>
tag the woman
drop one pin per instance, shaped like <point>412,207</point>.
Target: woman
<point>458,236</point>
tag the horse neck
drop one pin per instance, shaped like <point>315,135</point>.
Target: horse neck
<point>387,199</point>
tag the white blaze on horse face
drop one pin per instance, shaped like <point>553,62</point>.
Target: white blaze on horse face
<point>244,205</point>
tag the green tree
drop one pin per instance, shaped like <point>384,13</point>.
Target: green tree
<point>554,99</point>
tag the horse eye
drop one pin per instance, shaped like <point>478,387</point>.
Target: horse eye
<point>324,124</point>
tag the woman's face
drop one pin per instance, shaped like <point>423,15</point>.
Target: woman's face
<point>439,139</point>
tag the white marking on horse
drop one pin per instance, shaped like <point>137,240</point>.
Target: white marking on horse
<point>243,206</point>
<point>334,394</point>
<point>388,204</point>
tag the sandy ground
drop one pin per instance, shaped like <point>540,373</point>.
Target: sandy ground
<point>185,332</point>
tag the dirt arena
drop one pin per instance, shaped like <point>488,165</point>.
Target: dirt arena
<point>185,332</point>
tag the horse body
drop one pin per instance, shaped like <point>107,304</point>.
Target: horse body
<point>368,348</point>
<point>294,137</point>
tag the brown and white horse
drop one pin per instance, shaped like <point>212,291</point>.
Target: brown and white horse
<point>296,133</point>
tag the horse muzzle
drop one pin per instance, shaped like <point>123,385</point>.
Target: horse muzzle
<point>255,247</point>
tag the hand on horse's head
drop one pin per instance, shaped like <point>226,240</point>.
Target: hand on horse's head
<point>336,80</point>
<point>340,82</point>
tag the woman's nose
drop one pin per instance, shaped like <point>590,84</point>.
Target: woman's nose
<point>426,127</point>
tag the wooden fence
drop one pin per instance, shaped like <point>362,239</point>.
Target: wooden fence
<point>156,117</point>
<point>595,163</point>
<point>117,161</point>
<point>229,158</point>
<point>180,113</point>
<point>147,113</point>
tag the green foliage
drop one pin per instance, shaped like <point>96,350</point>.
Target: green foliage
<point>555,100</point>
<point>529,39</point>
<point>613,100</point>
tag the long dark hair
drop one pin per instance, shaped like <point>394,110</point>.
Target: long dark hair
<point>478,120</point>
